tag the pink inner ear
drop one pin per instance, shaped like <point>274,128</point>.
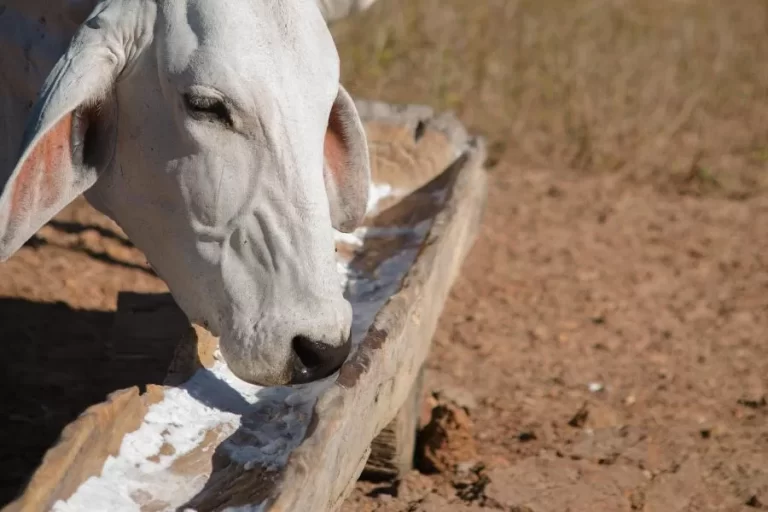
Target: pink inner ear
<point>42,176</point>
<point>335,149</point>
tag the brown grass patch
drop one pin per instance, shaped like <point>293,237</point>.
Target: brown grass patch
<point>675,92</point>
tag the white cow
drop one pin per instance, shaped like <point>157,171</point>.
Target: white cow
<point>217,135</point>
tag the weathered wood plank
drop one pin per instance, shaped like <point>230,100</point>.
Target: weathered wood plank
<point>393,449</point>
<point>374,384</point>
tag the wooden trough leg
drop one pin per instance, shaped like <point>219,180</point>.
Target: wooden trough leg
<point>393,449</point>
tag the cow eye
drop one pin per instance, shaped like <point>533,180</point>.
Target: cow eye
<point>207,107</point>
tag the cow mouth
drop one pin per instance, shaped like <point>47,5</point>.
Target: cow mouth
<point>311,362</point>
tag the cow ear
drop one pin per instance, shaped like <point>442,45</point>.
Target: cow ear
<point>68,140</point>
<point>347,165</point>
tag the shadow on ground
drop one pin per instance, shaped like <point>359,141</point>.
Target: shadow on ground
<point>57,362</point>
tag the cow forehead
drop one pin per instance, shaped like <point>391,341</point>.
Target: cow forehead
<point>268,45</point>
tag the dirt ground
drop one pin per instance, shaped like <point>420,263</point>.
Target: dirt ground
<point>608,332</point>
<point>604,348</point>
<point>609,343</point>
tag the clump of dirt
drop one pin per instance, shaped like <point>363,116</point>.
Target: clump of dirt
<point>471,484</point>
<point>446,447</point>
<point>446,442</point>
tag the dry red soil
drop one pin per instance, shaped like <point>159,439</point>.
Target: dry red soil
<point>604,349</point>
<point>611,345</point>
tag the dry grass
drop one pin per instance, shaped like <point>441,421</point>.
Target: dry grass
<point>673,91</point>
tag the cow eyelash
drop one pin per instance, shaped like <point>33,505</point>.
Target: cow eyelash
<point>208,107</point>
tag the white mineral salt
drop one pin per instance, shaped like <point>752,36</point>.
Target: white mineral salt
<point>212,399</point>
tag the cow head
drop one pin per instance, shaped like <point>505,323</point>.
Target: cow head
<point>217,135</point>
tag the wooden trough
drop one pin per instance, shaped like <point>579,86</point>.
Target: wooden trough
<point>207,441</point>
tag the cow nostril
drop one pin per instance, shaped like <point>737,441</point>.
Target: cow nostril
<point>308,352</point>
<point>315,360</point>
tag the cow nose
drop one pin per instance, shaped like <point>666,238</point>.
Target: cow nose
<point>314,360</point>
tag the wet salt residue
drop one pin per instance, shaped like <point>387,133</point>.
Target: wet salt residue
<point>369,293</point>
<point>254,426</point>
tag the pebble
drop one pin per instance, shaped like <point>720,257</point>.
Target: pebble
<point>595,387</point>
